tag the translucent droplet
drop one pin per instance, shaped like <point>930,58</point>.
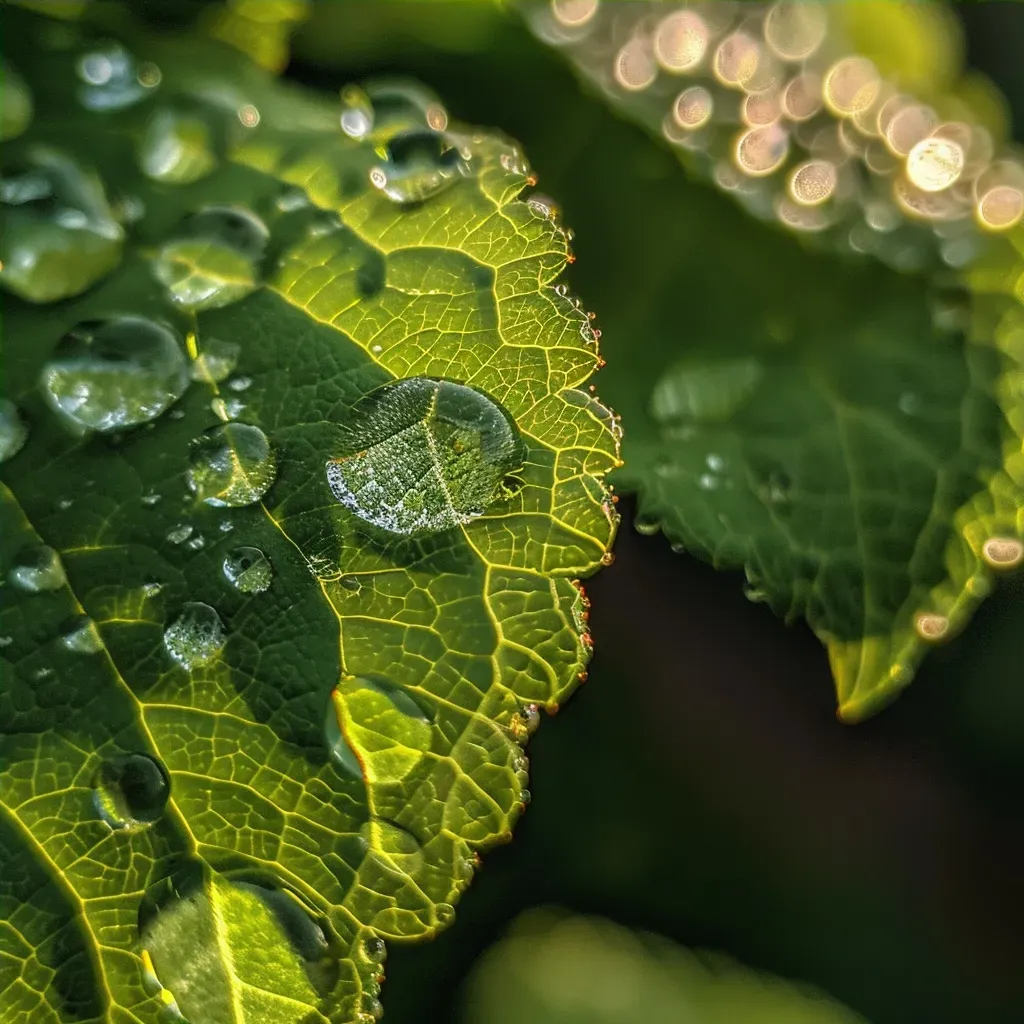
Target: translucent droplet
<point>999,193</point>
<point>1003,552</point>
<point>714,462</point>
<point>180,533</point>
<point>736,59</point>
<point>177,146</point>
<point>935,164</point>
<point>573,13</point>
<point>795,30</point>
<point>37,568</point>
<point>59,234</point>
<point>851,84</point>
<point>680,41</point>
<point>117,373</point>
<point>248,114</point>
<point>339,749</point>
<point>13,430</point>
<point>813,182</point>
<point>110,80</point>
<point>909,403</point>
<point>195,637</point>
<point>419,164</point>
<point>131,790</point>
<point>83,637</point>
<point>801,97</point>
<point>15,103</point>
<point>196,543</point>
<point>760,151</point>
<point>400,105</point>
<point>708,482</point>
<point>216,361</point>
<point>909,124</point>
<point>248,569</point>
<point>356,112</point>
<point>374,949</point>
<point>231,464</point>
<point>421,455</point>
<point>930,626</point>
<point>634,68</point>
<point>705,392</point>
<point>761,108</point>
<point>214,260</point>
<point>693,107</point>
<point>240,383</point>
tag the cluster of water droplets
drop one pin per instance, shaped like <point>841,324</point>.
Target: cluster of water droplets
<point>770,103</point>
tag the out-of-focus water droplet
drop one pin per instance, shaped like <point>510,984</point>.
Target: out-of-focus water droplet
<point>83,637</point>
<point>801,97</point>
<point>634,67</point>
<point>130,791</point>
<point>419,164</point>
<point>646,527</point>
<point>339,749</point>
<point>760,151</point>
<point>736,60</point>
<point>110,80</point>
<point>909,403</point>
<point>216,360</point>
<point>196,637</point>
<point>714,462</point>
<point>116,373</point>
<point>680,41</point>
<point>36,569</point>
<point>705,392</point>
<point>931,626</point>
<point>400,105</point>
<point>935,163</point>
<point>178,145</point>
<point>248,570</point>
<point>248,115</point>
<point>356,112</point>
<point>421,455</point>
<point>231,464</point>
<point>214,259</point>
<point>13,430</point>
<point>240,383</point>
<point>1003,552</point>
<point>63,504</point>
<point>573,13</point>
<point>813,182</point>
<point>15,103</point>
<point>795,30</point>
<point>692,108</point>
<point>6,641</point>
<point>708,482</point>
<point>180,533</point>
<point>59,234</point>
<point>196,543</point>
<point>150,498</point>
<point>850,85</point>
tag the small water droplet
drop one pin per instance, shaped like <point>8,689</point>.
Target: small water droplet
<point>291,199</point>
<point>13,430</point>
<point>909,403</point>
<point>64,504</point>
<point>714,462</point>
<point>1003,552</point>
<point>708,482</point>
<point>374,949</point>
<point>38,568</point>
<point>240,383</point>
<point>214,259</point>
<point>150,499</point>
<point>226,526</point>
<point>110,80</point>
<point>356,112</point>
<point>130,791</point>
<point>180,533</point>
<point>60,236</point>
<point>646,527</point>
<point>232,464</point>
<point>6,641</point>
<point>83,637</point>
<point>421,455</point>
<point>116,373</point>
<point>248,569</point>
<point>196,543</point>
<point>196,637</point>
<point>178,146</point>
<point>419,164</point>
<point>151,589</point>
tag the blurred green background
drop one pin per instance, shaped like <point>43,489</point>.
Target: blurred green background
<point>699,785</point>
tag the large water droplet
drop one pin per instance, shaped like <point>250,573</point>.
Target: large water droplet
<point>705,392</point>
<point>178,146</point>
<point>338,747</point>
<point>13,430</point>
<point>58,234</point>
<point>419,164</point>
<point>394,842</point>
<point>215,361</point>
<point>131,791</point>
<point>214,259</point>
<point>248,570</point>
<point>110,79</point>
<point>38,568</point>
<point>421,455</point>
<point>15,103</point>
<point>112,374</point>
<point>195,637</point>
<point>83,637</point>
<point>232,464</point>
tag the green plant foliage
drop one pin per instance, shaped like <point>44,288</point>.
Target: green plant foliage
<point>557,968</point>
<point>251,733</point>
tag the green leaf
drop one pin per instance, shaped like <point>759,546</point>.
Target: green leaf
<point>559,968</point>
<point>251,732</point>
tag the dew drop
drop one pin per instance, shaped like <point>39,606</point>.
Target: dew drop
<point>573,13</point>
<point>1003,552</point>
<point>851,85</point>
<point>83,637</point>
<point>215,361</point>
<point>196,543</point>
<point>177,146</point>
<point>195,637</point>
<point>248,570</point>
<point>634,68</point>
<point>231,464</point>
<point>801,98</point>
<point>419,164</point>
<point>130,791</point>
<point>692,108</point>
<point>180,533</point>
<point>15,103</point>
<point>116,373</point>
<point>708,482</point>
<point>930,626</point>
<point>59,234</point>
<point>214,259</point>
<point>13,430</point>
<point>110,80</point>
<point>240,383</point>
<point>356,112</point>
<point>736,60</point>
<point>36,569</point>
<point>680,41</point>
<point>935,163</point>
<point>374,949</point>
<point>760,151</point>
<point>794,31</point>
<point>421,455</point>
<point>813,182</point>
<point>401,105</point>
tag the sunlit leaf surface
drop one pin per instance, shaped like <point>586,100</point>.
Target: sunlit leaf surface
<point>252,731</point>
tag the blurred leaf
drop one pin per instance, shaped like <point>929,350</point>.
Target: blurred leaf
<point>556,968</point>
<point>249,731</point>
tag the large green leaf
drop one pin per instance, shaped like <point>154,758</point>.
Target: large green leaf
<point>248,734</point>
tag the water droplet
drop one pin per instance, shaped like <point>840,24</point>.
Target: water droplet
<point>421,455</point>
<point>338,747</point>
<point>634,67</point>
<point>231,464</point>
<point>680,41</point>
<point>150,499</point>
<point>59,235</point>
<point>930,626</point>
<point>111,374</point>
<point>291,199</point>
<point>195,637</point>
<point>419,164</point>
<point>110,80</point>
<point>131,791</point>
<point>38,568</point>
<point>240,383</point>
<point>935,163</point>
<point>226,526</point>
<point>795,30</point>
<point>196,543</point>
<point>851,85</point>
<point>714,462</point>
<point>83,637</point>
<point>813,182</point>
<point>777,489</point>
<point>177,146</point>
<point>704,391</point>
<point>180,533</point>
<point>374,949</point>
<point>761,151</point>
<point>151,589</point>
<point>63,504</point>
<point>6,641</point>
<point>646,527</point>
<point>1003,552</point>
<point>13,430</point>
<point>708,482</point>
<point>400,105</point>
<point>15,103</point>
<point>214,259</point>
<point>356,112</point>
<point>248,569</point>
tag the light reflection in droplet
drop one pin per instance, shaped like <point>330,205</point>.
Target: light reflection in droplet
<point>634,67</point>
<point>248,115</point>
<point>935,163</point>
<point>801,98</point>
<point>762,150</point>
<point>851,84</point>
<point>736,59</point>
<point>907,127</point>
<point>1003,552</point>
<point>692,108</point>
<point>795,30</point>
<point>930,626</point>
<point>761,108</point>
<point>573,13</point>
<point>680,41</point>
<point>813,182</point>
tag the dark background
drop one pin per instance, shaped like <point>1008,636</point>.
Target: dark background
<point>700,784</point>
